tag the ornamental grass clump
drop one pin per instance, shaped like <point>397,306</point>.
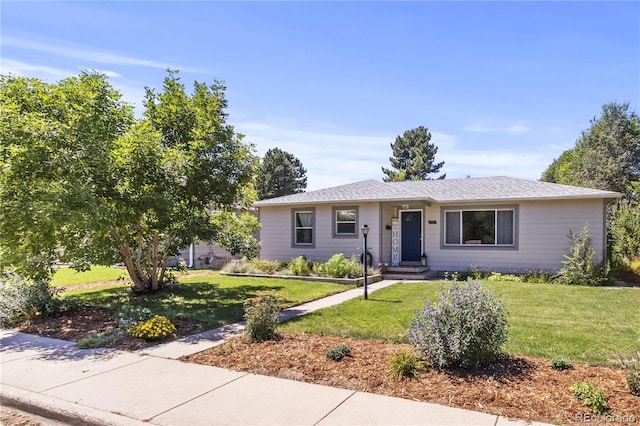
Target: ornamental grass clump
<point>405,363</point>
<point>156,328</point>
<point>262,313</point>
<point>465,328</point>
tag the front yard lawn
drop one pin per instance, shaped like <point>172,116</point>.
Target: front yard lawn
<point>209,301</point>
<point>65,277</point>
<point>584,324</point>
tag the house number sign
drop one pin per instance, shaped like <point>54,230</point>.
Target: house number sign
<point>395,242</point>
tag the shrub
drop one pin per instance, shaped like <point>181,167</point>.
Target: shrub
<point>300,266</point>
<point>100,340</point>
<point>405,363</point>
<point>561,364</point>
<point>155,328</point>
<point>337,353</point>
<point>262,313</point>
<point>129,315</point>
<point>594,398</point>
<point>236,267</point>
<point>633,380</point>
<point>283,264</point>
<point>22,300</point>
<point>268,267</point>
<point>533,276</point>
<point>497,276</point>
<point>467,327</point>
<point>337,266</point>
<point>632,374</point>
<point>319,269</point>
<point>624,227</point>
<point>578,268</point>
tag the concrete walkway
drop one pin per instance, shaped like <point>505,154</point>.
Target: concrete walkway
<point>54,379</point>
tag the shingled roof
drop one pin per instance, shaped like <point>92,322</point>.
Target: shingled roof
<point>486,189</point>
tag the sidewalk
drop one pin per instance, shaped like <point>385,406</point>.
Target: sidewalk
<point>54,379</point>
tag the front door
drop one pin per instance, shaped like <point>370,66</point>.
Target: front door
<point>411,235</point>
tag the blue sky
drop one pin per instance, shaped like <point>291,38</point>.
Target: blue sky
<point>504,87</point>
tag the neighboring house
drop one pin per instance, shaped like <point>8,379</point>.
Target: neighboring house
<point>497,224</point>
<point>208,254</point>
<point>205,255</point>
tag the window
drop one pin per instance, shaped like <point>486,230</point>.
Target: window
<point>345,221</point>
<point>487,227</point>
<point>303,227</point>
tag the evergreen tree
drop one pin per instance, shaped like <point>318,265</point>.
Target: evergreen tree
<point>280,173</point>
<point>413,157</point>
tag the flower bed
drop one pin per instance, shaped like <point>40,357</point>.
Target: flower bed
<point>338,269</point>
<point>358,282</point>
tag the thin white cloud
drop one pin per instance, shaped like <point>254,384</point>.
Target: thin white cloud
<point>10,66</point>
<point>87,53</point>
<point>515,128</point>
<point>108,73</point>
<point>333,158</point>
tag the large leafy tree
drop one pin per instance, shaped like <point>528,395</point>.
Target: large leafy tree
<point>55,150</point>
<point>280,173</point>
<point>413,157</point>
<point>606,156</point>
<point>85,182</point>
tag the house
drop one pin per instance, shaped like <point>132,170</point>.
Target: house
<point>208,254</point>
<point>497,224</point>
<point>205,255</point>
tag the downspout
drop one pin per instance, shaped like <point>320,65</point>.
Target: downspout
<point>191,252</point>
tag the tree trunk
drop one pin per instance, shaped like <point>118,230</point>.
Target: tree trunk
<point>165,258</point>
<point>125,253</point>
<point>153,272</point>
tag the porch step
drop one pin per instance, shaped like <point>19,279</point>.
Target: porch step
<point>409,269</point>
<point>409,272</point>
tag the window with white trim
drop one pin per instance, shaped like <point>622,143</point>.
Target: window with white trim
<point>345,221</point>
<point>303,227</point>
<point>486,227</point>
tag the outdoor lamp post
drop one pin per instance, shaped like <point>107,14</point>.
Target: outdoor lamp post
<point>365,232</point>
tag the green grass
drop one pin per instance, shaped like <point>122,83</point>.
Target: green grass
<point>210,301</point>
<point>584,324</point>
<point>65,277</point>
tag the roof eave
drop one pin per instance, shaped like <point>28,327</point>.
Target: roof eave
<point>351,201</point>
<point>608,196</point>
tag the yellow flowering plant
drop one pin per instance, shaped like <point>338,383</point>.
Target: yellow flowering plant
<point>155,328</point>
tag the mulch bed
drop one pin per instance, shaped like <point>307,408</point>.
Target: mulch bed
<point>79,322</point>
<point>514,387</point>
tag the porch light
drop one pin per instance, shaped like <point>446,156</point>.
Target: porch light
<point>365,232</point>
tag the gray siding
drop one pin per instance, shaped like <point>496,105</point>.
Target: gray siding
<point>276,242</point>
<point>541,241</point>
<point>543,227</point>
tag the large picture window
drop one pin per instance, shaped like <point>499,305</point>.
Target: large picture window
<point>345,221</point>
<point>486,227</point>
<point>303,227</point>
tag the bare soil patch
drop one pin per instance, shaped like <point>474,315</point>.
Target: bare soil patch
<point>515,387</point>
